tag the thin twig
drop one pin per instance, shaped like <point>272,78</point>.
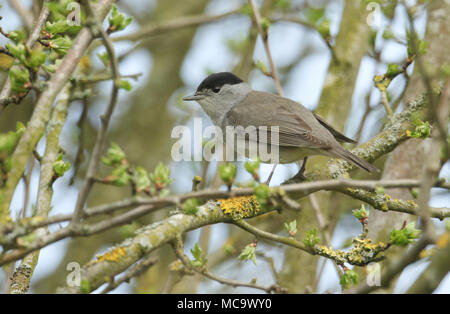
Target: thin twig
<point>105,118</point>
<point>273,237</point>
<point>135,271</point>
<point>177,245</point>
<point>154,203</point>
<point>265,36</point>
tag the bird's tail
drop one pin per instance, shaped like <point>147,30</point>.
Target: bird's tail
<point>341,152</point>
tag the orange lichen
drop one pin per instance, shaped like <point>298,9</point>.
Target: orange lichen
<point>240,206</point>
<point>112,256</point>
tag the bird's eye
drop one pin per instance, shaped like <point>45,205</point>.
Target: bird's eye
<point>216,89</point>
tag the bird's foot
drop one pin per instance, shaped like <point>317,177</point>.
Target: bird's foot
<point>300,174</point>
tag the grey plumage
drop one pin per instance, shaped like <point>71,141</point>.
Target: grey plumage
<point>230,101</point>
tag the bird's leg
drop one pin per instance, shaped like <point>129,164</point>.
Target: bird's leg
<point>271,174</point>
<point>300,173</point>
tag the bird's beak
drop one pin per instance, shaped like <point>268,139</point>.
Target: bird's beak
<point>196,96</point>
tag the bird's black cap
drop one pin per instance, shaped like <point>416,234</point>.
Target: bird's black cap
<point>218,80</point>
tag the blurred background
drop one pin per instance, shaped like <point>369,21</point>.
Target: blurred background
<point>170,63</point>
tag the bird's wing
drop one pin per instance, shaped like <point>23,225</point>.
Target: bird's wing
<point>337,135</point>
<point>297,126</point>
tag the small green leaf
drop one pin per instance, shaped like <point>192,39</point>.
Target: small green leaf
<point>60,26</point>
<point>104,57</point>
<point>248,253</point>
<point>349,277</point>
<point>61,45</point>
<point>199,261</point>
<point>422,130</point>
<point>265,24</point>
<point>311,238</point>
<point>114,155</point>
<point>85,286</point>
<point>406,235</point>
<point>252,167</point>
<point>392,70</point>
<point>141,179</point>
<point>60,166</point>
<point>19,77</point>
<point>117,20</point>
<point>291,227</point>
<point>190,206</point>
<point>120,176</point>
<point>261,66</point>
<point>361,213</point>
<point>126,85</point>
<point>324,28</point>
<point>36,59</point>
<point>160,179</point>
<point>227,173</point>
<point>262,193</point>
<point>17,36</point>
<point>17,50</point>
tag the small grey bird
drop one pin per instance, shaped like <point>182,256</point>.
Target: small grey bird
<point>229,101</point>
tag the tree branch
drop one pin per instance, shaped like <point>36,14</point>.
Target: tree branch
<point>41,113</point>
<point>105,118</point>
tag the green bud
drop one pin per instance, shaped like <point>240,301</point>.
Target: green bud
<point>17,36</point>
<point>261,66</point>
<point>199,261</point>
<point>61,45</point>
<point>114,155</point>
<point>227,173</point>
<point>406,235</point>
<point>422,130</point>
<point>248,253</point>
<point>19,77</point>
<point>104,57</point>
<point>349,277</point>
<point>252,167</point>
<point>160,179</point>
<point>60,26</point>
<point>17,50</point>
<point>262,193</point>
<point>392,70</point>
<point>85,286</point>
<point>60,166</point>
<point>141,179</point>
<point>36,59</point>
<point>117,20</point>
<point>311,238</point>
<point>324,28</point>
<point>190,206</point>
<point>291,227</point>
<point>265,23</point>
<point>361,213</point>
<point>126,85</point>
<point>120,175</point>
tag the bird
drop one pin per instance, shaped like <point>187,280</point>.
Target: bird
<point>229,101</point>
